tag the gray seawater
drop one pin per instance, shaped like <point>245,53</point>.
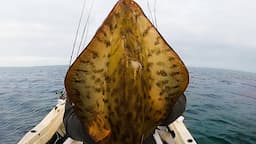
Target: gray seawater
<point>221,103</point>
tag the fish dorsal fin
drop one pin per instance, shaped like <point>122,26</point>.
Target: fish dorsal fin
<point>127,79</point>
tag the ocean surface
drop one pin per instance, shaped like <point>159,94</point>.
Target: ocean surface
<point>221,106</point>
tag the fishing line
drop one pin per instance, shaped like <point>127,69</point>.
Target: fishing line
<point>155,13</point>
<point>85,29</point>
<point>85,38</point>
<point>77,30</point>
<point>150,12</point>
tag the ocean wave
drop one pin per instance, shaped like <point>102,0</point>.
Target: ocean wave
<point>220,104</point>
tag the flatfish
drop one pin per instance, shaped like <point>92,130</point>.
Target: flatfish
<point>126,81</point>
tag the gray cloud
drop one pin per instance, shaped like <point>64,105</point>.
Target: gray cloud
<point>216,33</point>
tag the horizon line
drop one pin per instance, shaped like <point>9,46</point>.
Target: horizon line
<point>66,65</point>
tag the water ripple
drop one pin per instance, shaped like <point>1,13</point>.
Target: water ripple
<point>220,104</point>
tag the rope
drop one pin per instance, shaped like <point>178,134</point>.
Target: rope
<point>77,30</point>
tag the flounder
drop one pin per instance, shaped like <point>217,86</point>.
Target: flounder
<point>126,81</point>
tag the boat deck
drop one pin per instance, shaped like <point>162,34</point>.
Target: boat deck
<point>53,123</point>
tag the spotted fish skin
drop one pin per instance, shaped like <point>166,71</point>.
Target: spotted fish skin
<point>127,79</point>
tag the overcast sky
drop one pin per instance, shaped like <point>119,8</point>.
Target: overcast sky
<point>205,33</point>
